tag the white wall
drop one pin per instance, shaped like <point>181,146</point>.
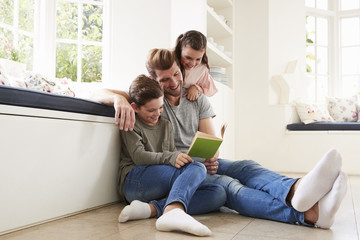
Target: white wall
<point>268,35</point>
<point>137,27</point>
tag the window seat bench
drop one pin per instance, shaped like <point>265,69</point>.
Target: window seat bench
<point>59,156</point>
<point>324,126</point>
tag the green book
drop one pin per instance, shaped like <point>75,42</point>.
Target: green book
<point>205,145</point>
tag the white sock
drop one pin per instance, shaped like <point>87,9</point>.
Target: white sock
<point>314,185</point>
<point>330,203</point>
<point>178,220</point>
<point>136,210</point>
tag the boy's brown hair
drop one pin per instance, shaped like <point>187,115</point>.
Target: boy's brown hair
<point>143,89</point>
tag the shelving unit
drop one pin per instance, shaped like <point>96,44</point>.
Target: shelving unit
<point>219,31</point>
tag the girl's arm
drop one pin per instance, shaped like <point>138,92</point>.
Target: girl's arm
<point>206,82</point>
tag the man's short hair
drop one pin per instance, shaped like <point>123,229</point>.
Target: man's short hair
<point>160,59</point>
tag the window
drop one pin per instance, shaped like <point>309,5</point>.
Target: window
<point>333,47</point>
<point>349,24</point>
<point>79,27</point>
<point>17,30</point>
<point>63,35</point>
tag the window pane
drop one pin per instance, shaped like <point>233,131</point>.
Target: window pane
<point>310,29</point>
<point>67,20</point>
<point>310,59</point>
<point>322,87</point>
<point>350,31</point>
<point>322,60</point>
<point>322,31</point>
<point>91,64</point>
<point>351,60</point>
<point>351,85</point>
<point>322,4</point>
<point>26,15</point>
<point>7,11</point>
<point>310,3</point>
<point>26,51</point>
<point>66,61</point>
<point>6,44</point>
<point>92,23</point>
<point>349,4</point>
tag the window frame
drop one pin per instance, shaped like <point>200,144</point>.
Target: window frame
<point>15,29</point>
<point>334,16</point>
<point>342,15</point>
<point>44,37</point>
<point>330,16</point>
<point>80,42</point>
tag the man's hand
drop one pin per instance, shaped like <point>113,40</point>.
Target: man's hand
<point>126,113</point>
<point>182,159</point>
<point>211,165</point>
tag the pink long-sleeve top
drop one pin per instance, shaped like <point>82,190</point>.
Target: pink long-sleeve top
<point>200,75</point>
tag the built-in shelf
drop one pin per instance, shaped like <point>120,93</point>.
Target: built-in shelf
<point>216,26</point>
<point>217,57</point>
<point>220,4</point>
<point>219,15</point>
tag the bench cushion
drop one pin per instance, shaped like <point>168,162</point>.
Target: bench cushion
<point>324,126</point>
<point>36,99</point>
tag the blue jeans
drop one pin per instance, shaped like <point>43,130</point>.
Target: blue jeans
<point>255,191</point>
<point>164,184</point>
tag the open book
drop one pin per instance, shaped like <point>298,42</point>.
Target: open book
<point>205,145</point>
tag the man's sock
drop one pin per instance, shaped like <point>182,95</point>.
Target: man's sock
<point>329,205</point>
<point>178,220</point>
<point>136,210</point>
<point>314,185</point>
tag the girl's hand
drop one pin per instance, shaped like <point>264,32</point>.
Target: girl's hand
<point>192,94</point>
<point>182,159</point>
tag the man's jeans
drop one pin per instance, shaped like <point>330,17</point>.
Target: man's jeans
<point>165,184</point>
<point>255,191</point>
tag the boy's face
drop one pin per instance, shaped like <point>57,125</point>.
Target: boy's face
<point>170,80</point>
<point>151,111</point>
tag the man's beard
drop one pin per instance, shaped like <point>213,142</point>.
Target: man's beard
<point>173,93</point>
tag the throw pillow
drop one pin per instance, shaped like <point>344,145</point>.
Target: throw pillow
<point>313,112</point>
<point>343,109</point>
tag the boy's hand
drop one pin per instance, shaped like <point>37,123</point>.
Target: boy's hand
<point>182,159</point>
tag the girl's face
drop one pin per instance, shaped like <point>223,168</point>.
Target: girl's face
<point>150,112</point>
<point>190,58</point>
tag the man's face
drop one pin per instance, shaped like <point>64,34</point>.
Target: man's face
<point>170,80</point>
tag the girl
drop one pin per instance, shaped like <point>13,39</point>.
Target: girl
<point>151,168</point>
<point>190,50</point>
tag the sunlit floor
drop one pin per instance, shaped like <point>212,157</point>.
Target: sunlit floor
<point>102,224</point>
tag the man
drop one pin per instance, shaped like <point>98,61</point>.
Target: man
<point>251,189</point>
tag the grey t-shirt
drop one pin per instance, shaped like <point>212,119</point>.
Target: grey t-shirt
<point>185,118</point>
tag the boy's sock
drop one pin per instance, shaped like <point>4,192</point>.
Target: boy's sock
<point>314,185</point>
<point>330,203</point>
<point>136,210</point>
<point>178,220</point>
